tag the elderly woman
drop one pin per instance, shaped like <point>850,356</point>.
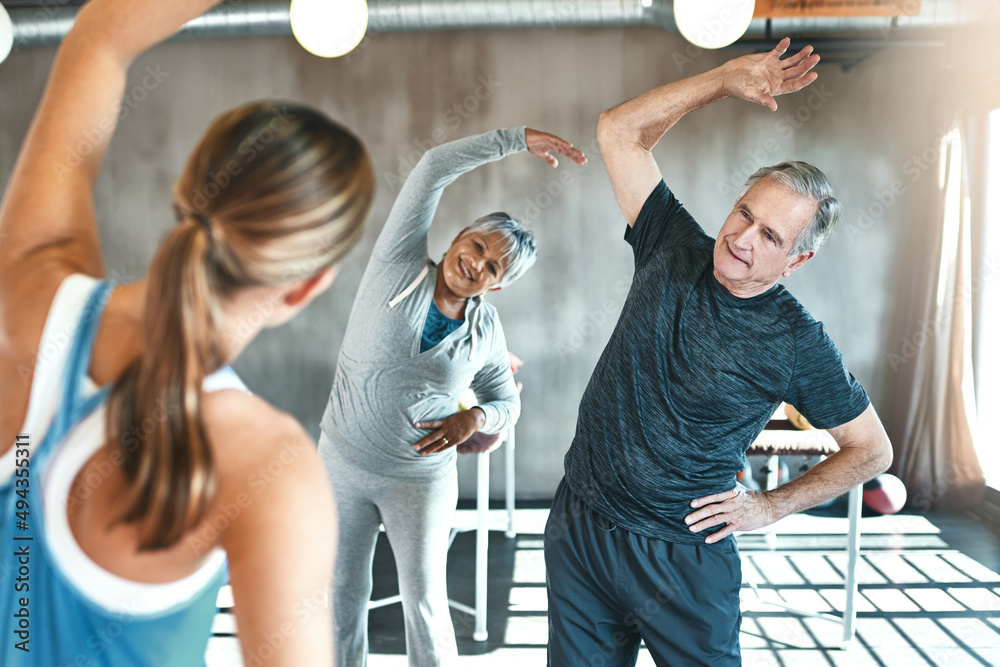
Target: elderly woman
<point>419,334</point>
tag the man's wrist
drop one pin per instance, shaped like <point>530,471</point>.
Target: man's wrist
<point>721,76</point>
<point>481,418</point>
<point>777,502</point>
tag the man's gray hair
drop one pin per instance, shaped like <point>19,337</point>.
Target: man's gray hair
<point>804,179</point>
<point>520,252</point>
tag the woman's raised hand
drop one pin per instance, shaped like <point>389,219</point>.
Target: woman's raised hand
<point>544,144</point>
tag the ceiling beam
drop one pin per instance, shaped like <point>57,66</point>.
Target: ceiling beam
<point>798,9</point>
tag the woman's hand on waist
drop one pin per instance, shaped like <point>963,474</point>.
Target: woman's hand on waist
<point>450,431</point>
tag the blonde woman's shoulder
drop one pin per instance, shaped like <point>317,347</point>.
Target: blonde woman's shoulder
<point>280,525</point>
<point>262,452</point>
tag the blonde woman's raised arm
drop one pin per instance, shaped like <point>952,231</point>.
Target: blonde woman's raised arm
<point>47,226</point>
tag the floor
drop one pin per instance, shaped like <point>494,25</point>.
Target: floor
<point>929,595</point>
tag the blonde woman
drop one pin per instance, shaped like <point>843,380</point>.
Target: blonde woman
<point>126,478</point>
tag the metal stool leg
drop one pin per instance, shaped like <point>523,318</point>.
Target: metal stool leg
<point>853,550</point>
<point>509,479</point>
<point>773,476</point>
<point>478,612</point>
<point>482,544</point>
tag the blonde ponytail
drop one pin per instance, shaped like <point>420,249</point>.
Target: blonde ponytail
<point>166,456</point>
<point>272,193</point>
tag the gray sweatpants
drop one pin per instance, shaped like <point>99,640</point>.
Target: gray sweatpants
<point>418,517</point>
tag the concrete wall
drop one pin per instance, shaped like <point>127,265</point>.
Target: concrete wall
<point>403,93</point>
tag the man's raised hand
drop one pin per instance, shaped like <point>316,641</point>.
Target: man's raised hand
<point>763,76</point>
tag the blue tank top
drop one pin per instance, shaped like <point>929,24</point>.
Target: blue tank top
<point>45,619</point>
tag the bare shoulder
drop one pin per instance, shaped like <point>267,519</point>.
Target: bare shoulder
<point>261,451</point>
<point>242,426</point>
<point>280,535</point>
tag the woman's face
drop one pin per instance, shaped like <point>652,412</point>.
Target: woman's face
<point>474,263</point>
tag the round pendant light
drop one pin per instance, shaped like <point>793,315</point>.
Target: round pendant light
<point>6,34</point>
<point>712,24</point>
<point>329,28</point>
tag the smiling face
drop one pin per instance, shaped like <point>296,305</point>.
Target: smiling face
<point>474,264</point>
<point>753,246</point>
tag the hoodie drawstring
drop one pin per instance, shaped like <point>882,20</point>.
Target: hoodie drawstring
<point>472,326</point>
<point>409,289</point>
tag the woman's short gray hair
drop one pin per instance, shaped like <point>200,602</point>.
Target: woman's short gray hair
<point>808,181</point>
<point>520,252</point>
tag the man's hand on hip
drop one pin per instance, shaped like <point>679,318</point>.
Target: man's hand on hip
<point>738,510</point>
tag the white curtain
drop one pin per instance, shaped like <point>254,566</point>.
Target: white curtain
<point>934,416</point>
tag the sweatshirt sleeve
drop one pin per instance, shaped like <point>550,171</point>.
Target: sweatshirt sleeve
<point>495,388</point>
<point>404,236</point>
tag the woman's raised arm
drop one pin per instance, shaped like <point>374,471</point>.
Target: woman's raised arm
<point>47,224</point>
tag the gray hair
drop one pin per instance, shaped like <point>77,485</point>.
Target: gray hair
<point>808,181</point>
<point>520,251</point>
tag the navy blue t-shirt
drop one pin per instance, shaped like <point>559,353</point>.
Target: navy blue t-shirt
<point>690,377</point>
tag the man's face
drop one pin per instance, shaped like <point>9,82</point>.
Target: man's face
<point>752,249</point>
<point>474,263</point>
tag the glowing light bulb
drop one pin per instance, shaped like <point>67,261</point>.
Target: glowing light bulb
<point>6,34</point>
<point>712,24</point>
<point>329,28</point>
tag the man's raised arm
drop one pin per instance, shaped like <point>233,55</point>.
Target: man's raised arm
<point>627,133</point>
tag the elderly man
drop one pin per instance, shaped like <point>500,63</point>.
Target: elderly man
<point>639,541</point>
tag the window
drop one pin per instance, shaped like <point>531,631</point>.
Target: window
<point>986,290</point>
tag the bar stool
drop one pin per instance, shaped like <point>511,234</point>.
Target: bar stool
<point>479,445</point>
<point>780,438</point>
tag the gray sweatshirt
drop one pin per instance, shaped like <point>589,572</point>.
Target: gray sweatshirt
<point>383,383</point>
